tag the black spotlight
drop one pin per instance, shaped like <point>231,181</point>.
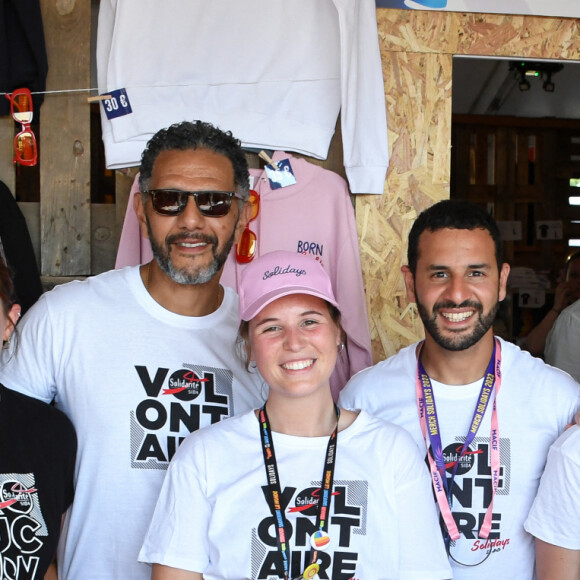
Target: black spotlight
<point>548,84</point>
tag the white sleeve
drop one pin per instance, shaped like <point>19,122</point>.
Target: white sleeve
<point>105,37</point>
<point>363,111</point>
<point>562,343</point>
<point>105,30</point>
<point>347,281</point>
<point>30,367</point>
<point>350,293</point>
<point>417,514</point>
<point>349,396</point>
<point>555,513</point>
<point>178,532</point>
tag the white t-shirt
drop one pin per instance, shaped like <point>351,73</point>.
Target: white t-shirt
<point>213,517</point>
<point>563,341</point>
<point>134,379</point>
<point>555,514</point>
<point>534,405</point>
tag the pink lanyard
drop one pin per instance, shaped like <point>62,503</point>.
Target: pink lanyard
<point>432,436</point>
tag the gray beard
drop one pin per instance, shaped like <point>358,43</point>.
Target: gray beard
<point>161,253</point>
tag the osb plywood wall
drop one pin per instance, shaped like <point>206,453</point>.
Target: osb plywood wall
<point>417,49</point>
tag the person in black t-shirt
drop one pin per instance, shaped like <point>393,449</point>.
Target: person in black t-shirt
<point>37,458</point>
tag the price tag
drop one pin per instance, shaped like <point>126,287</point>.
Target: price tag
<point>283,177</point>
<point>118,105</point>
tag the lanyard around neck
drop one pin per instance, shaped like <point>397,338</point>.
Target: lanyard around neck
<point>320,537</point>
<point>432,435</point>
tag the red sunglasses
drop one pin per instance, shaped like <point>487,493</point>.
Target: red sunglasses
<point>25,149</point>
<point>246,248</point>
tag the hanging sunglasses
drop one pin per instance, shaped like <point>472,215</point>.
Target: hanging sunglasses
<point>25,149</point>
<point>246,248</point>
<point>172,202</point>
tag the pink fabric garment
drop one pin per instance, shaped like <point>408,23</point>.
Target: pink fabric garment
<point>315,216</point>
<point>133,248</point>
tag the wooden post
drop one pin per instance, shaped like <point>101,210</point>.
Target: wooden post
<point>7,151</point>
<point>65,227</point>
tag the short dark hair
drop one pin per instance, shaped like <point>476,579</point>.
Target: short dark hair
<point>196,135</point>
<point>7,297</point>
<point>7,292</point>
<point>453,214</point>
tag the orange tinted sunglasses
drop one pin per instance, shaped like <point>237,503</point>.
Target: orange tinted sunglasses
<point>25,149</point>
<point>246,248</point>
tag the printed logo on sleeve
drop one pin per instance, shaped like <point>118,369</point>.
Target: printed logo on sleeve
<point>23,530</point>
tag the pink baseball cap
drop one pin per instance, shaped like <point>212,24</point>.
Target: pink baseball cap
<point>278,274</point>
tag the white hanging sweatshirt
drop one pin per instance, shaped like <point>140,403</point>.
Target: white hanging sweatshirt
<point>275,73</point>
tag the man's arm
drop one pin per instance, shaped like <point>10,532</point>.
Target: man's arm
<point>51,572</point>
<point>556,563</point>
<point>167,573</point>
<point>535,341</point>
<point>562,344</point>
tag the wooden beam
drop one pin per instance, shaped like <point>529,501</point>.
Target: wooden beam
<point>7,151</point>
<point>65,228</point>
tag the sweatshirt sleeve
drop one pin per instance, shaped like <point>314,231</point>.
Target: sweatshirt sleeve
<point>348,284</point>
<point>363,112</point>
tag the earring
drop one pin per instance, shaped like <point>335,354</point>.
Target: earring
<point>340,347</point>
<point>6,344</point>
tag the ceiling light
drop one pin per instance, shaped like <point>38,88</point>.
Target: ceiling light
<point>523,70</point>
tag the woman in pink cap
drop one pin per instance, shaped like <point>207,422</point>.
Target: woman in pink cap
<point>299,488</point>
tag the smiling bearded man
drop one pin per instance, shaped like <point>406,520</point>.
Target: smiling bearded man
<point>141,356</point>
<point>483,411</point>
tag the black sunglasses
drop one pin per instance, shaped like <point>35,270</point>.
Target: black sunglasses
<point>172,202</point>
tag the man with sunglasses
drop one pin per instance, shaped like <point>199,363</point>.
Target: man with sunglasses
<point>140,357</point>
<point>484,412</point>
